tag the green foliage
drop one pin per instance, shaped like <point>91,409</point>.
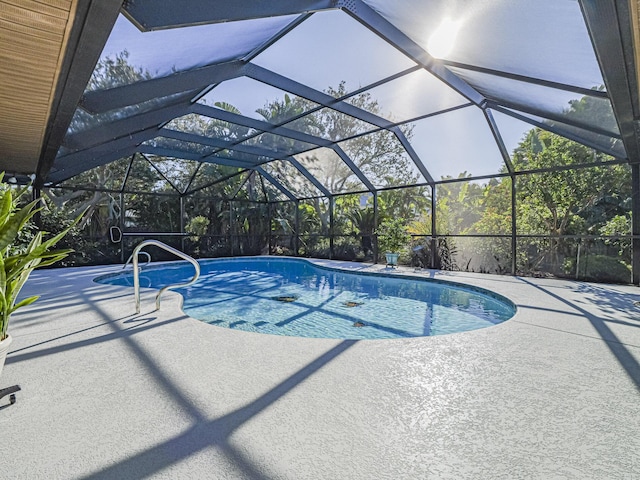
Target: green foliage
<point>380,156</point>
<point>459,205</point>
<point>587,109</point>
<point>618,225</point>
<point>84,250</point>
<point>16,266</point>
<point>362,220</point>
<point>392,235</point>
<point>558,202</point>
<point>407,203</point>
<point>198,226</point>
<point>565,202</point>
<point>446,257</point>
<point>116,71</point>
<point>600,268</point>
<point>111,72</point>
<point>495,207</point>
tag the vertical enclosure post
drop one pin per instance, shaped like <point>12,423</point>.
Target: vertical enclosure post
<point>269,204</point>
<point>332,203</point>
<point>296,238</point>
<point>635,223</point>
<point>182,237</point>
<point>231,227</point>
<point>514,243</point>
<point>122,217</point>
<point>35,193</point>
<point>434,232</point>
<point>375,226</point>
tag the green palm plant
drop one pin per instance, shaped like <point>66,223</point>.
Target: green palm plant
<point>17,263</point>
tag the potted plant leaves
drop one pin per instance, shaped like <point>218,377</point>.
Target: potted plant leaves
<point>18,261</point>
<point>392,239</point>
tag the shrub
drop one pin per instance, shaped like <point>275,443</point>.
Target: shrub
<point>600,268</point>
<point>392,236</point>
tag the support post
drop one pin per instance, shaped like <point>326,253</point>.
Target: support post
<point>269,205</point>
<point>635,223</point>
<point>434,232</point>
<point>514,231</point>
<point>36,193</point>
<point>332,203</point>
<point>231,227</point>
<point>296,238</point>
<point>375,227</point>
<point>182,238</point>
<point>122,217</point>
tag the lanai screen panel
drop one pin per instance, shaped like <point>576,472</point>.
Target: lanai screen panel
<point>212,128</point>
<point>383,159</point>
<point>331,171</point>
<point>330,124</point>
<point>256,188</point>
<point>513,132</point>
<point>209,173</point>
<point>277,146</point>
<point>84,120</point>
<point>609,145</point>
<point>331,52</point>
<point>544,39</point>
<point>291,178</point>
<point>177,171</point>
<point>163,52</point>
<point>258,100</point>
<point>144,177</point>
<point>589,110</point>
<point>242,158</point>
<point>188,148</point>
<point>457,143</point>
<point>211,186</point>
<point>107,177</point>
<point>413,95</point>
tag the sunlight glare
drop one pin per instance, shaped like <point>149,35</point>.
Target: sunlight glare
<point>443,38</point>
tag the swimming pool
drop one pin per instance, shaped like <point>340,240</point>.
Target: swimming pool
<point>285,296</point>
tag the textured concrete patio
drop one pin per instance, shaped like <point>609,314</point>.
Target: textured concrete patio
<point>552,393</point>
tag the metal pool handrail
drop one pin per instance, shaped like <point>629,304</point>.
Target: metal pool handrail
<point>136,271</point>
<point>139,253</point>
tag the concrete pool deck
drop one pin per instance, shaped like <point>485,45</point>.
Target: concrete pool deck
<point>108,394</point>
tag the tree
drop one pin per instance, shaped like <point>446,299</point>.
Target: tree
<point>379,155</point>
<point>557,202</point>
<point>459,205</point>
<point>562,202</point>
<point>592,111</point>
<point>111,72</point>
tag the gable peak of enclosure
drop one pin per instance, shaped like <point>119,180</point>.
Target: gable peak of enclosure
<point>333,105</point>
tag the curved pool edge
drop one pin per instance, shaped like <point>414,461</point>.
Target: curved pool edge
<point>355,268</point>
<point>393,273</point>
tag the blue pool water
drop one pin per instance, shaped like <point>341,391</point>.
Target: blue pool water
<point>294,297</point>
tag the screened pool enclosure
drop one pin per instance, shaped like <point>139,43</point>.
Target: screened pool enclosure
<point>502,134</point>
